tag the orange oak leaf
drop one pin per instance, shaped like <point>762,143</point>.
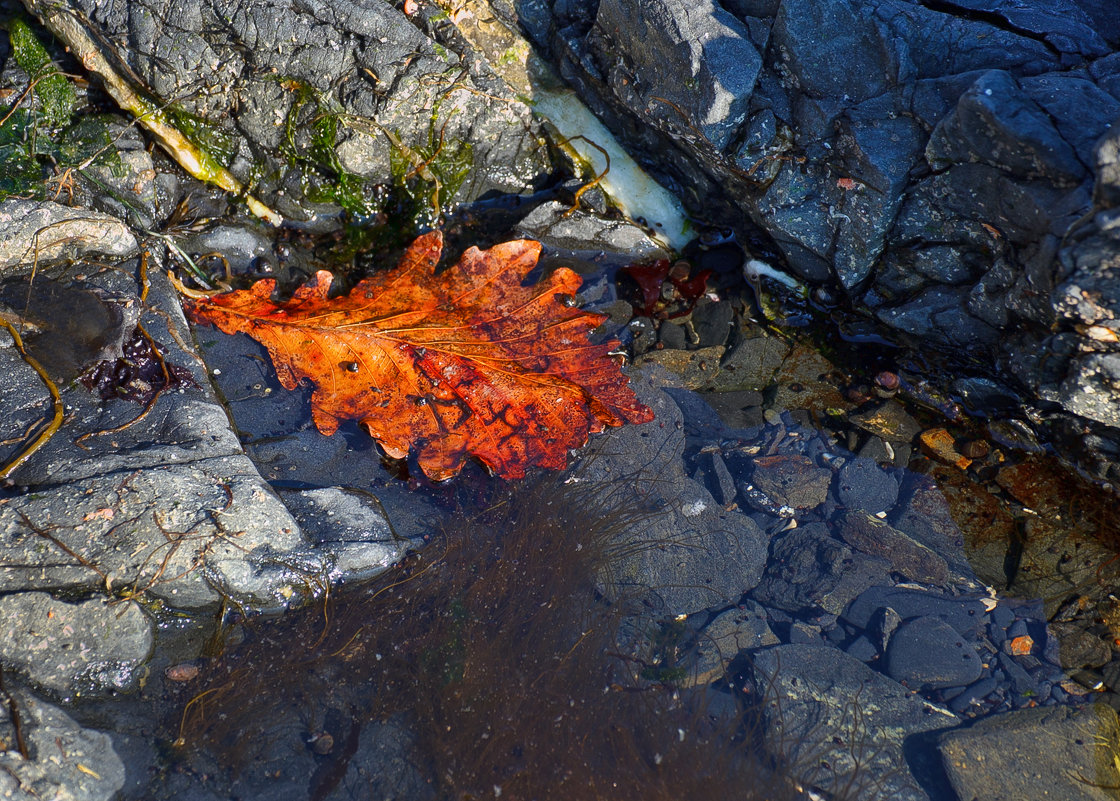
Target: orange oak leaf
<point>466,362</point>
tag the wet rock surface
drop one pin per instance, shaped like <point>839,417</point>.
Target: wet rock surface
<point>46,231</point>
<point>1033,752</point>
<point>691,553</point>
<point>65,761</point>
<point>954,172</point>
<point>819,690</point>
<point>800,559</point>
<point>394,85</point>
<point>74,650</point>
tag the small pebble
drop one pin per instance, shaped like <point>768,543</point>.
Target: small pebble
<point>185,671</point>
<point>974,449</point>
<point>1003,616</point>
<point>1017,629</point>
<point>321,743</point>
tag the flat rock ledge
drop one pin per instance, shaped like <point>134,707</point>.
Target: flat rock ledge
<point>72,650</point>
<point>65,761</point>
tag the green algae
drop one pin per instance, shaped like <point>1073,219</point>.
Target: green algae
<point>39,135</point>
<point>56,95</point>
<point>323,178</point>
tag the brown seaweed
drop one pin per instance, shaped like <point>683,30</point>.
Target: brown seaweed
<point>497,648</point>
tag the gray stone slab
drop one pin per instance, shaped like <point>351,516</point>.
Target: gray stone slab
<point>1058,753</point>
<point>809,570</point>
<point>906,556</point>
<point>74,650</point>
<point>927,652</point>
<point>68,762</point>
<point>164,502</point>
<point>682,59</point>
<point>688,553</point>
<point>43,231</point>
<point>841,724</point>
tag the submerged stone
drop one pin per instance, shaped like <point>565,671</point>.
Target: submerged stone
<point>1033,753</point>
<point>846,723</point>
<point>810,570</point>
<point>906,556</point>
<point>927,652</point>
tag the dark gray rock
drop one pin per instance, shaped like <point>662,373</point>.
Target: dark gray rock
<point>738,410</point>
<point>804,633</point>
<point>862,649</point>
<point>384,765</point>
<point>1003,616</point>
<point>1107,160</point>
<point>1081,112</point>
<point>810,571</point>
<point>862,485</point>
<point>880,144</point>
<point>882,627</point>
<point>719,479</point>
<point>751,364</point>
<point>964,615</point>
<point>356,535</point>
<point>672,336</point>
<point>942,43</point>
<point>1090,388</point>
<point>854,62</point>
<point>932,160</point>
<point>1078,648</point>
<point>940,314</point>
<point>1021,681</point>
<point>906,556</point>
<point>679,62</point>
<point>927,652</point>
<point>972,699</point>
<point>923,514</point>
<point>688,554</point>
<point>1002,757</point>
<point>74,650</point>
<point>842,723</point>
<point>726,635</point>
<point>1063,24</point>
<point>68,762</point>
<point>712,322</point>
<point>791,480</point>
<point>996,123</point>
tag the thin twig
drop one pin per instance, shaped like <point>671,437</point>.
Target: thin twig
<point>56,399</point>
<point>14,717</point>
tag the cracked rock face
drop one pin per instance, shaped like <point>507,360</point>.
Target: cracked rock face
<point>393,82</point>
<point>952,168</point>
